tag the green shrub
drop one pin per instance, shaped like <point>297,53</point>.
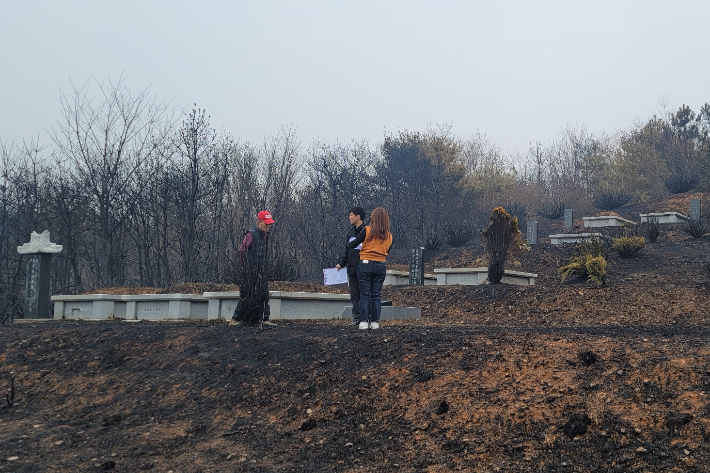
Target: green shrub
<point>587,261</point>
<point>628,247</point>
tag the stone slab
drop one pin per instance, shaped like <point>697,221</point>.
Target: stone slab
<point>476,276</point>
<point>664,217</point>
<point>284,305</point>
<point>562,238</point>
<point>606,221</point>
<point>130,307</point>
<point>214,305</point>
<point>401,278</point>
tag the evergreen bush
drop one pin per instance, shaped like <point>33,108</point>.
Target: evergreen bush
<point>587,261</point>
<point>628,247</point>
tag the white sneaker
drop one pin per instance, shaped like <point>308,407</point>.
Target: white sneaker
<point>362,326</point>
<point>374,325</point>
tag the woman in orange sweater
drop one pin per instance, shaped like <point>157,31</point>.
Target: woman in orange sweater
<point>376,241</point>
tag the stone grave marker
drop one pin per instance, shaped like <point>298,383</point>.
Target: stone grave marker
<point>569,218</point>
<point>416,267</point>
<point>39,264</point>
<point>532,232</point>
<point>695,209</point>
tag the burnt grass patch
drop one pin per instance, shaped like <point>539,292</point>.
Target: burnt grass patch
<point>201,397</point>
<point>553,378</point>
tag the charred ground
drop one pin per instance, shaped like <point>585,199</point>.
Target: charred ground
<point>552,377</point>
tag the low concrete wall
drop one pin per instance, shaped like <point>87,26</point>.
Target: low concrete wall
<point>476,276</point>
<point>562,238</point>
<point>153,307</point>
<point>606,221</point>
<point>284,305</point>
<point>664,217</point>
<point>210,305</point>
<point>395,278</point>
<point>89,307</point>
<point>130,307</point>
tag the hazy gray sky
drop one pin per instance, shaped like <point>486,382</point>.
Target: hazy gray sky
<point>518,71</point>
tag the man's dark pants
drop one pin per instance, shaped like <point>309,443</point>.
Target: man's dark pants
<point>354,296</point>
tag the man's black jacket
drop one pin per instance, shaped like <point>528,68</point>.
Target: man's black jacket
<point>351,258</point>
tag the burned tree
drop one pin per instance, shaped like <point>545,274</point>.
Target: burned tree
<point>106,147</point>
<point>501,236</point>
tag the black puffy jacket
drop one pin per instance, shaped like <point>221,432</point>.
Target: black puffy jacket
<point>350,258</point>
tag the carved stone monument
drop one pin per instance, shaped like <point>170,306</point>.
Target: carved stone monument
<point>569,218</point>
<point>532,232</point>
<point>39,263</point>
<point>416,267</point>
<point>695,209</point>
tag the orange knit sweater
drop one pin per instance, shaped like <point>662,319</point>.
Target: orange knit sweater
<point>375,249</point>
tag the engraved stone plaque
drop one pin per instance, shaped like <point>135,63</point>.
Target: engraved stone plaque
<point>37,286</point>
<point>569,218</point>
<point>532,232</point>
<point>416,267</point>
<point>695,209</point>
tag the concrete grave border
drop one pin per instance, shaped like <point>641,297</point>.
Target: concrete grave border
<point>562,238</point>
<point>606,221</point>
<point>130,306</point>
<point>394,278</point>
<point>210,305</point>
<point>284,305</point>
<point>476,276</point>
<point>665,217</point>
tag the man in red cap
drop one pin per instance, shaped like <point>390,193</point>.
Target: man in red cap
<point>253,306</point>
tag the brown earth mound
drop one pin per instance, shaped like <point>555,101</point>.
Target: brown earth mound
<point>553,377</point>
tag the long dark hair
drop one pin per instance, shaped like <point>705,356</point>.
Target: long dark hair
<point>379,224</point>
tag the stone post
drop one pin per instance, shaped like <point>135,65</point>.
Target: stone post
<point>569,218</point>
<point>695,209</point>
<point>532,232</point>
<point>416,267</point>
<point>39,265</point>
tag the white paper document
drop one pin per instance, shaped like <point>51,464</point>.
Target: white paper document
<point>358,247</point>
<point>333,276</point>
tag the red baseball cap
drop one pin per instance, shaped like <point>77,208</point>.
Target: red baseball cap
<point>265,216</point>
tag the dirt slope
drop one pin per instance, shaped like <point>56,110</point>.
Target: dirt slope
<point>553,377</point>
